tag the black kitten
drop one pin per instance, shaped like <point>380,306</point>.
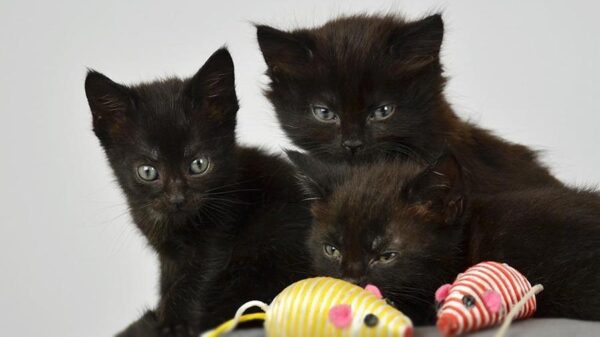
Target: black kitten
<point>225,221</point>
<point>362,88</point>
<point>409,229</point>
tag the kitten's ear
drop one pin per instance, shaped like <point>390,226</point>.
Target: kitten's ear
<point>284,53</point>
<point>212,89</point>
<point>109,102</point>
<point>317,179</point>
<point>438,191</point>
<point>418,43</point>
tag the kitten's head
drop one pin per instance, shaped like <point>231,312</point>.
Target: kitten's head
<point>359,87</point>
<point>169,142</point>
<point>394,225</point>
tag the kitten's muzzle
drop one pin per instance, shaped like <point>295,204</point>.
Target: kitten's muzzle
<point>177,201</point>
<point>353,145</point>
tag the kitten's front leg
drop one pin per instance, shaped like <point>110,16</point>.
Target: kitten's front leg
<point>178,330</point>
<point>173,322</point>
<point>145,326</point>
<point>178,311</point>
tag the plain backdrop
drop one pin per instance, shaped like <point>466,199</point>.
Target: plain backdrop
<point>72,263</point>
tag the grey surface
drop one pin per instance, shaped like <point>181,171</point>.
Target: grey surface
<point>529,328</point>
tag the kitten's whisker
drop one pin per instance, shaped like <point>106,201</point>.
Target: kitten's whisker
<point>232,191</point>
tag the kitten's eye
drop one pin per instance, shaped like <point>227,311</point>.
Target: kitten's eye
<point>387,257</point>
<point>382,112</point>
<point>332,251</point>
<point>324,114</point>
<point>147,173</point>
<point>199,166</point>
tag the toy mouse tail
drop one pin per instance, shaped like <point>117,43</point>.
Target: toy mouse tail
<point>515,310</point>
<point>239,318</point>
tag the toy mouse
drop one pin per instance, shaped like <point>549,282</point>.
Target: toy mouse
<point>483,296</point>
<point>324,307</point>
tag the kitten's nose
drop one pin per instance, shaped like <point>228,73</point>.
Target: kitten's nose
<point>177,200</point>
<point>352,145</point>
<point>356,280</point>
<point>351,279</point>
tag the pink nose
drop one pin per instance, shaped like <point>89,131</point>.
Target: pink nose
<point>447,325</point>
<point>341,316</point>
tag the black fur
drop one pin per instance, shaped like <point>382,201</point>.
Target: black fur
<point>353,65</point>
<point>437,228</point>
<point>551,235</point>
<point>226,236</point>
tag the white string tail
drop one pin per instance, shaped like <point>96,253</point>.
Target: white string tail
<point>238,315</point>
<point>262,305</point>
<point>515,310</point>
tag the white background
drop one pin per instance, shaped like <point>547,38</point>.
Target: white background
<point>71,262</point>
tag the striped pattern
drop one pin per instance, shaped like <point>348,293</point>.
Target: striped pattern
<point>301,310</point>
<point>476,281</point>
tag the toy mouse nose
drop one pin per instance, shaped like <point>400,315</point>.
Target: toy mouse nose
<point>447,325</point>
<point>352,145</point>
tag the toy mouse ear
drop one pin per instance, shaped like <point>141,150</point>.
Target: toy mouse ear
<point>492,301</point>
<point>341,316</point>
<point>442,292</point>
<point>374,290</point>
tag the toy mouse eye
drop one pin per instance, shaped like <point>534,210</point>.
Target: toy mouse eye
<point>371,320</point>
<point>438,305</point>
<point>468,301</point>
<point>390,303</point>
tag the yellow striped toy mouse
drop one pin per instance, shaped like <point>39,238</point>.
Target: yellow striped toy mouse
<point>324,307</point>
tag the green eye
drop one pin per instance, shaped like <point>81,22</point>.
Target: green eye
<point>199,166</point>
<point>147,173</point>
<point>332,251</point>
<point>323,114</point>
<point>382,112</point>
<point>387,257</point>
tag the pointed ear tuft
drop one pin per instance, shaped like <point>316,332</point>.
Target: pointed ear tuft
<point>106,97</point>
<point>284,53</point>
<point>109,102</point>
<point>317,179</point>
<point>438,191</point>
<point>212,88</point>
<point>215,79</point>
<point>418,43</point>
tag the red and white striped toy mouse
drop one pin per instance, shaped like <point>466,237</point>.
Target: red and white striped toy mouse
<point>485,295</point>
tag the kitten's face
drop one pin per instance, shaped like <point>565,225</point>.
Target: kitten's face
<point>357,88</point>
<point>169,142</point>
<point>387,225</point>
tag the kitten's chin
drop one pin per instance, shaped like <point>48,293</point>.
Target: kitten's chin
<point>357,158</point>
<point>179,216</point>
<point>169,217</point>
<point>343,156</point>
